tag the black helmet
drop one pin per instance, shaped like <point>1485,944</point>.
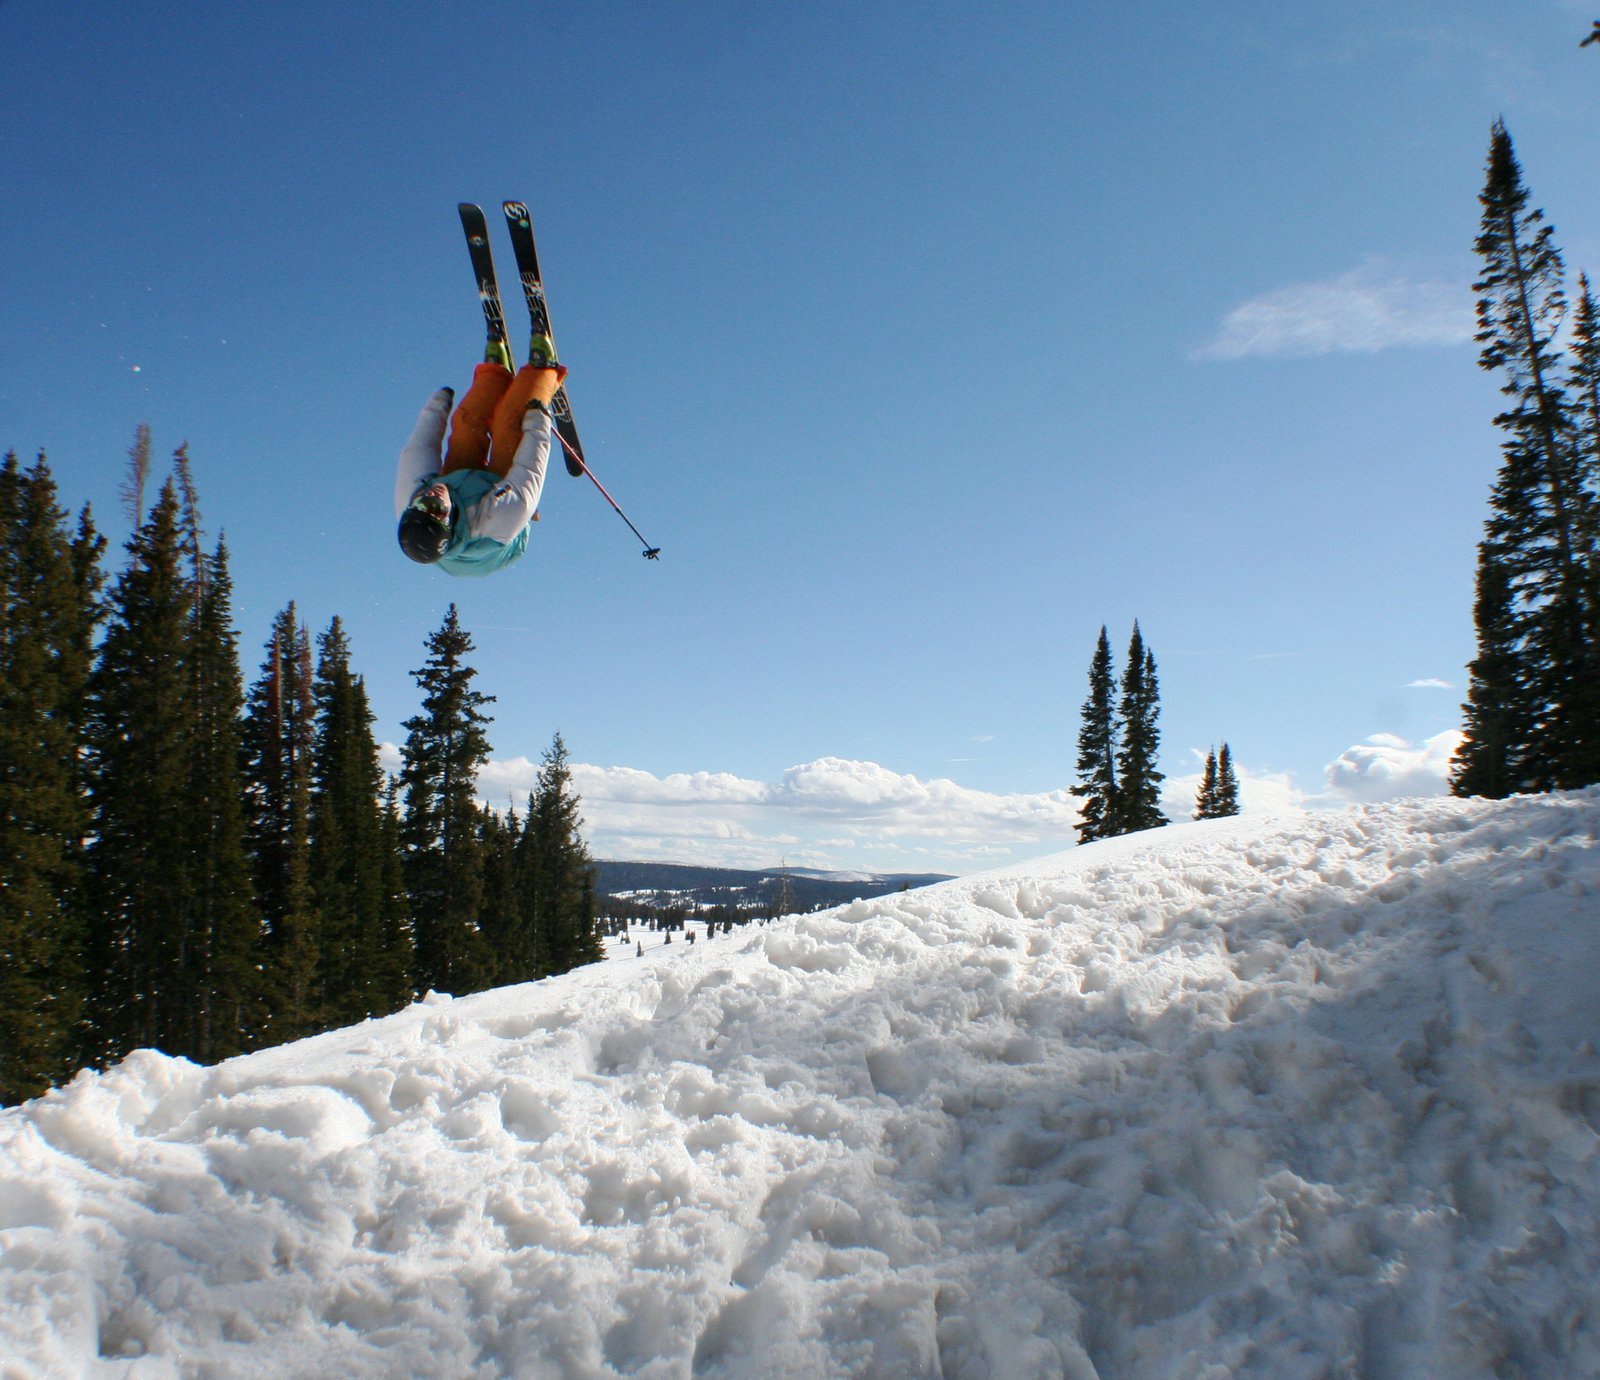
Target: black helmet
<point>425,525</point>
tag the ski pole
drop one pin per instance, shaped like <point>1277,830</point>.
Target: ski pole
<point>651,553</point>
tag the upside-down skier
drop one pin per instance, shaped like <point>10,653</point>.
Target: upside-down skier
<point>466,506</point>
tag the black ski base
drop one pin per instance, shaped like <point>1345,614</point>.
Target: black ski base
<point>520,224</point>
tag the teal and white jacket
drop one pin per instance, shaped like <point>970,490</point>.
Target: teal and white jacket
<point>492,529</point>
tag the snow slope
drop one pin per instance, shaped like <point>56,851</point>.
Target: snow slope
<point>1309,1095</point>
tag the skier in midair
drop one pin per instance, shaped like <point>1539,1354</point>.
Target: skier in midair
<point>465,506</point>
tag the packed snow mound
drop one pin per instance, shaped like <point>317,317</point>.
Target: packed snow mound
<point>1283,1097</point>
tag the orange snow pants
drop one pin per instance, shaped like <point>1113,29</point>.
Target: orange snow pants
<point>487,427</point>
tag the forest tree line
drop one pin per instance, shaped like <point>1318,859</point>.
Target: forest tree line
<point>206,867</point>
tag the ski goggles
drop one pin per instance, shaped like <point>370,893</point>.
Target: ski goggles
<point>434,503</point>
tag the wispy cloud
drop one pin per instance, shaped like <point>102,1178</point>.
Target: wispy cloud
<point>1429,683</point>
<point>1374,307</point>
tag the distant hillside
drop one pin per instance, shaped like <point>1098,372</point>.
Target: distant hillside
<point>685,884</point>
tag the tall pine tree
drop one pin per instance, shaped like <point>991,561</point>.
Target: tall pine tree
<point>446,746</point>
<point>279,735</point>
<point>559,871</point>
<point>1582,765</point>
<point>220,953</point>
<point>393,981</point>
<point>1138,799</point>
<point>1205,802</point>
<point>346,851</point>
<point>49,582</point>
<point>1536,563</point>
<point>1097,749</point>
<point>501,918</point>
<point>1499,721</point>
<point>138,736</point>
<point>1218,797</point>
<point>1227,799</point>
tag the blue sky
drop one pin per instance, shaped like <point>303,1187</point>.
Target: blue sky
<point>923,338</point>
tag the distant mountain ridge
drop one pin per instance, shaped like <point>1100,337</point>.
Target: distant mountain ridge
<point>808,887</point>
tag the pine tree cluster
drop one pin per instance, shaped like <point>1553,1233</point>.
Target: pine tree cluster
<point>1218,797</point>
<point>1532,717</point>
<point>1118,745</point>
<point>201,868</point>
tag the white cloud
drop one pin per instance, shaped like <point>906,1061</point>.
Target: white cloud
<point>1387,767</point>
<point>830,813</point>
<point>843,813</point>
<point>1384,767</point>
<point>1373,307</point>
<point>1429,683</point>
<point>878,817</point>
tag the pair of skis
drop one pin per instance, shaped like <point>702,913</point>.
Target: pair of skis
<point>542,346</point>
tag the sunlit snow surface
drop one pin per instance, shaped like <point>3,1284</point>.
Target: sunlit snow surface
<point>1309,1095</point>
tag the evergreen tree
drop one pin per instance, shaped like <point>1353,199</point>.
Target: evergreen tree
<point>1227,798</point>
<point>1138,797</point>
<point>220,952</point>
<point>557,873</point>
<point>347,848</point>
<point>500,917</point>
<point>279,735</point>
<point>1582,764</point>
<point>49,583</point>
<point>783,901</point>
<point>138,737</point>
<point>188,514</point>
<point>392,984</point>
<point>1205,803</point>
<point>133,486</point>
<point>1097,750</point>
<point>1539,543</point>
<point>1499,721</point>
<point>446,745</point>
<point>520,945</point>
<point>1583,383</point>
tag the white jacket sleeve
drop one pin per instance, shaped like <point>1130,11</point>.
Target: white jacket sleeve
<point>424,452</point>
<point>511,504</point>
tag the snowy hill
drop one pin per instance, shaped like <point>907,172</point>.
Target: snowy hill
<point>1311,1095</point>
